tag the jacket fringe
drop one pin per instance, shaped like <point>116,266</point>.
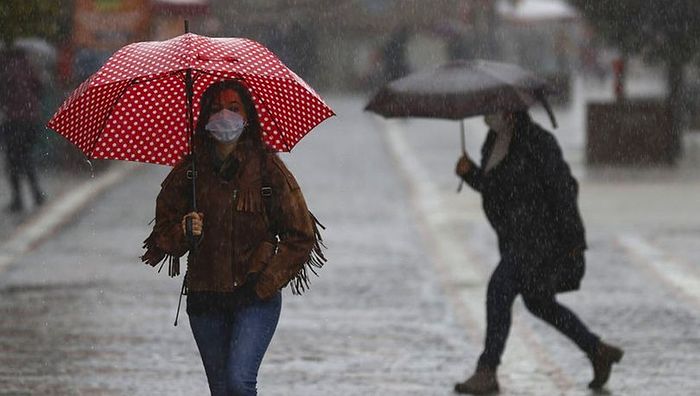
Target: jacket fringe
<point>250,201</point>
<point>300,283</point>
<point>155,255</point>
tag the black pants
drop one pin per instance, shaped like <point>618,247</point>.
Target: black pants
<point>18,139</point>
<point>504,287</point>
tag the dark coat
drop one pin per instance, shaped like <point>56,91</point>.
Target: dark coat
<point>20,87</point>
<point>530,199</point>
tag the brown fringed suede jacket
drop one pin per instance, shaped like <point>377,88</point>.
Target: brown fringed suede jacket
<point>256,224</point>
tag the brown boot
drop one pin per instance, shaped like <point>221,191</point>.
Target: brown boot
<point>602,360</point>
<point>482,382</point>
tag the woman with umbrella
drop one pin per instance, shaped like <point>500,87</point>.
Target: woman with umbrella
<point>229,201</point>
<point>529,197</point>
<point>253,234</point>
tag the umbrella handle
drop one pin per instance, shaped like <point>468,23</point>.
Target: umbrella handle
<point>464,151</point>
<point>188,231</point>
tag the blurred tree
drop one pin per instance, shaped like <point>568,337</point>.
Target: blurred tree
<point>665,31</point>
<point>37,18</point>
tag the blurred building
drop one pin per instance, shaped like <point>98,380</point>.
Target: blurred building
<point>343,44</point>
<point>544,36</point>
<point>100,27</point>
<point>541,34</point>
<point>335,45</point>
<point>340,44</point>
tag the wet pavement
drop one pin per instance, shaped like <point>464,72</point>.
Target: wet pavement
<point>54,184</point>
<point>399,308</point>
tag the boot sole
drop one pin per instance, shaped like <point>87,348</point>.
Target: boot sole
<point>493,391</point>
<point>490,392</point>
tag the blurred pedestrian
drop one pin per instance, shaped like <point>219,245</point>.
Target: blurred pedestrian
<point>253,235</point>
<point>530,198</point>
<point>20,91</point>
<point>394,54</point>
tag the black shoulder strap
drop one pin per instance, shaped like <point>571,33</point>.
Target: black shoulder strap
<point>268,196</point>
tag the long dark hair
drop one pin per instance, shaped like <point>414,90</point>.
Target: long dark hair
<point>252,133</point>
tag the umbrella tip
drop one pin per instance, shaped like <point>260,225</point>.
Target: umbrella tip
<point>187,26</point>
<point>545,103</point>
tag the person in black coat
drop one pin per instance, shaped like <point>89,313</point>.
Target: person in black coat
<point>20,91</point>
<point>530,199</point>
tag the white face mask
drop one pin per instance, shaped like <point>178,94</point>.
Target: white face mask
<point>226,126</point>
<point>497,122</point>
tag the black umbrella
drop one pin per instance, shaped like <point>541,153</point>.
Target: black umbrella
<point>462,89</point>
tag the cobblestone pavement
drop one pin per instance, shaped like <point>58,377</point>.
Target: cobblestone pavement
<point>397,311</point>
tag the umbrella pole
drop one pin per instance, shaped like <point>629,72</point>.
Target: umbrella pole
<point>464,145</point>
<point>190,126</point>
<point>464,152</point>
<point>190,123</point>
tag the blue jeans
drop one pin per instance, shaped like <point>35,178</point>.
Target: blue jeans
<point>232,344</point>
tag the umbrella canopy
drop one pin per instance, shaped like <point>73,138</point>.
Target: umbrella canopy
<point>461,89</point>
<point>136,106</point>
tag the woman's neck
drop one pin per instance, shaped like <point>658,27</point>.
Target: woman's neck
<point>505,132</point>
<point>223,149</point>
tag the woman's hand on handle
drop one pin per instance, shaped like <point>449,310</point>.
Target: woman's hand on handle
<point>464,165</point>
<point>197,223</point>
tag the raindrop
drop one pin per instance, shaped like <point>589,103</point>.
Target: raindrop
<point>92,168</point>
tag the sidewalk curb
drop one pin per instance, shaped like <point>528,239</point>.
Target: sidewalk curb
<point>669,270</point>
<point>55,214</point>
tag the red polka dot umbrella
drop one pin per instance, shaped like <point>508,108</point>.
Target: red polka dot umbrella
<point>135,107</point>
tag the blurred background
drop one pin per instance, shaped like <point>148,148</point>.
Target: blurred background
<point>354,46</point>
<point>400,306</point>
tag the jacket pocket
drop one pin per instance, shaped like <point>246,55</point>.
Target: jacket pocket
<point>261,256</point>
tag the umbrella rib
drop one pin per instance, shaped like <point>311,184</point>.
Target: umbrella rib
<point>204,72</point>
<point>195,76</point>
<point>139,80</point>
<point>108,116</point>
<point>283,135</point>
<point>131,83</point>
<point>242,74</point>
